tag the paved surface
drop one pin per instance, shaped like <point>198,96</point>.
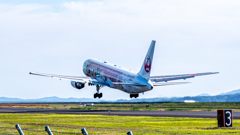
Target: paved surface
<point>197,114</point>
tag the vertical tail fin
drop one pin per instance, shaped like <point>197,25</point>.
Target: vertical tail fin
<point>147,63</point>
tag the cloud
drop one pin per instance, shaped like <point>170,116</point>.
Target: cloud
<point>191,36</point>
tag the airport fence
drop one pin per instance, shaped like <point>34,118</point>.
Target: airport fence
<point>48,130</point>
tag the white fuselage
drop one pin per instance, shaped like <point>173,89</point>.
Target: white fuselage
<point>116,77</point>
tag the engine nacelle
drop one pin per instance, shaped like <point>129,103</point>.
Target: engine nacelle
<point>77,85</point>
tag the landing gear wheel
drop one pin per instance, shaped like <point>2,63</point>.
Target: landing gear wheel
<point>95,95</point>
<point>90,84</point>
<point>133,95</point>
<point>99,95</point>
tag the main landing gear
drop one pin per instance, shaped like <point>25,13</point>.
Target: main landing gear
<point>99,95</point>
<point>133,95</point>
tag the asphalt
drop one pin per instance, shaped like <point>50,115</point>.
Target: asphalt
<point>196,114</point>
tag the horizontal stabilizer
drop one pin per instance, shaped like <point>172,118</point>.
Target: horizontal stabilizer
<point>178,77</point>
<point>168,83</point>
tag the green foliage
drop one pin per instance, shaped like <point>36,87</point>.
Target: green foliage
<point>146,106</point>
<point>164,106</point>
<point>178,109</point>
<point>112,125</point>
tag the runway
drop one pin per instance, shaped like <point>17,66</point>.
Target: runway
<point>196,114</point>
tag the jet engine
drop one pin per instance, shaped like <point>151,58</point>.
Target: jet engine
<point>77,85</point>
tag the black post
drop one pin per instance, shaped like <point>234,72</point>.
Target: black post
<point>48,130</point>
<point>19,129</point>
<point>129,133</point>
<point>84,131</point>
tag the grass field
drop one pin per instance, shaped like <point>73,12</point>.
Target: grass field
<point>138,107</point>
<point>112,125</point>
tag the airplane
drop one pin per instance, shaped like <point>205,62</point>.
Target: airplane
<point>104,74</point>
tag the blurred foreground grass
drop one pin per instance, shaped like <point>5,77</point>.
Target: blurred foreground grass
<point>112,125</point>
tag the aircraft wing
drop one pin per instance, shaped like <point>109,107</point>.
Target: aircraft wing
<point>178,77</point>
<point>82,79</point>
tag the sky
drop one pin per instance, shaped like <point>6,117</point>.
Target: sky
<point>57,36</point>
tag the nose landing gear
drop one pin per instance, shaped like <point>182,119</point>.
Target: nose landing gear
<point>90,84</point>
<point>134,95</point>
